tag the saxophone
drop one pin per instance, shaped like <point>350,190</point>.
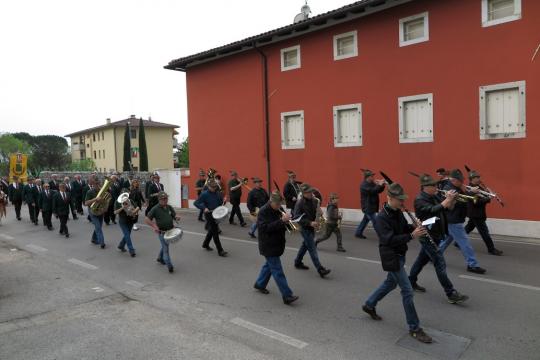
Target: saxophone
<point>99,207</point>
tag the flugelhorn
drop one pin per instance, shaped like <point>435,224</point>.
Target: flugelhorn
<point>461,197</point>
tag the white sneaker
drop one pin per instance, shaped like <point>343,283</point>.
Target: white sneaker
<point>135,227</point>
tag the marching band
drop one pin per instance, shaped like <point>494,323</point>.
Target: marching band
<point>440,212</point>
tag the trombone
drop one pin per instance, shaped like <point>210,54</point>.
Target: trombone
<point>481,192</point>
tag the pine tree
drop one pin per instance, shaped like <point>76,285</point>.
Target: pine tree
<point>143,155</point>
<point>127,149</point>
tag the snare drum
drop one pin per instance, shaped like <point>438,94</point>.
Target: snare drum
<point>220,213</point>
<point>173,235</point>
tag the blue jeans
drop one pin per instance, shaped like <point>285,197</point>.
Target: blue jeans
<point>273,268</point>
<point>429,253</point>
<point>392,280</point>
<point>126,240</point>
<point>97,235</point>
<point>457,232</point>
<point>164,252</point>
<point>362,226</point>
<point>253,228</point>
<point>308,245</point>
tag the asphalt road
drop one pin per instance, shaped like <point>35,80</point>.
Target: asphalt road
<point>67,299</point>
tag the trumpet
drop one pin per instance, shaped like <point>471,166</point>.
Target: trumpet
<point>340,219</point>
<point>290,225</point>
<point>462,197</point>
<point>245,182</point>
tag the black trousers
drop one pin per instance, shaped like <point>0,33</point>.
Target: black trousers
<point>63,223</point>
<point>32,212</point>
<point>481,226</point>
<point>201,213</point>
<point>17,205</point>
<point>212,232</point>
<point>78,205</point>
<point>236,211</point>
<point>46,215</point>
<point>109,214</point>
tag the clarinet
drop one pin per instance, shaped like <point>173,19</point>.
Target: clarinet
<point>417,223</point>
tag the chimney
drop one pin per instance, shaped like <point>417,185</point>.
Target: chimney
<point>132,116</point>
<point>149,118</point>
<point>108,121</point>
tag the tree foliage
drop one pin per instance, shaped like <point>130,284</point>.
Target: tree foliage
<point>10,144</point>
<point>183,154</point>
<point>82,165</point>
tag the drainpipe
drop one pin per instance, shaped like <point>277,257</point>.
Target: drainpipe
<point>266,116</point>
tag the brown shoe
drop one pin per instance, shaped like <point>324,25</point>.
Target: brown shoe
<point>421,336</point>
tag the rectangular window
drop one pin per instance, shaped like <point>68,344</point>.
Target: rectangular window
<point>99,154</point>
<point>133,133</point>
<point>95,154</point>
<point>416,118</point>
<point>502,111</point>
<point>348,125</point>
<point>292,130</point>
<point>346,45</point>
<point>496,12</point>
<point>94,136</point>
<point>104,153</point>
<point>290,58</point>
<point>414,29</point>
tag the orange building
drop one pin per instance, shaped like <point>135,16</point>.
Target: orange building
<point>389,85</point>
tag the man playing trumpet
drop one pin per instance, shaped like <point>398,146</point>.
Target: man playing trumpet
<point>257,198</point>
<point>369,200</point>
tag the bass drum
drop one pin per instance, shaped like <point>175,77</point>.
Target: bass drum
<point>220,213</point>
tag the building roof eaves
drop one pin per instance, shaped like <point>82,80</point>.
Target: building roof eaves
<point>346,13</point>
<point>122,123</point>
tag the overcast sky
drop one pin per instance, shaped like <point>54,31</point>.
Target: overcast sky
<point>67,65</point>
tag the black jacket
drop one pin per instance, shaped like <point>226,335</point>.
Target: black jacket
<point>369,196</point>
<point>15,194</point>
<point>29,194</point>
<point>234,195</point>
<point>271,232</point>
<point>458,214</point>
<point>77,189</point>
<point>61,206</point>
<point>394,233</point>
<point>309,209</point>
<point>153,189</point>
<point>257,198</point>
<point>290,191</point>
<point>53,185</point>
<point>46,202</point>
<point>427,206</point>
<point>478,210</point>
<point>137,197</point>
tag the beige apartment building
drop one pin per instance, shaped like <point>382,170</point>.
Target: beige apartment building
<point>105,144</point>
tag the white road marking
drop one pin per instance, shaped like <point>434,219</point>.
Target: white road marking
<point>364,260</point>
<point>498,282</point>
<point>83,264</point>
<point>98,289</point>
<point>135,283</point>
<point>36,247</point>
<point>270,333</point>
<point>7,237</point>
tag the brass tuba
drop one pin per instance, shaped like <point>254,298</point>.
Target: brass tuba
<point>99,207</point>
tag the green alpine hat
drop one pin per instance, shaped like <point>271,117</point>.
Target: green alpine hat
<point>427,180</point>
<point>473,174</point>
<point>396,191</point>
<point>162,195</point>
<point>276,197</point>
<point>256,180</point>
<point>368,173</point>
<point>456,174</point>
<point>306,188</point>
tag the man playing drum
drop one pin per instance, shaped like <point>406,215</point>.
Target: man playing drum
<point>208,202</point>
<point>160,218</point>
